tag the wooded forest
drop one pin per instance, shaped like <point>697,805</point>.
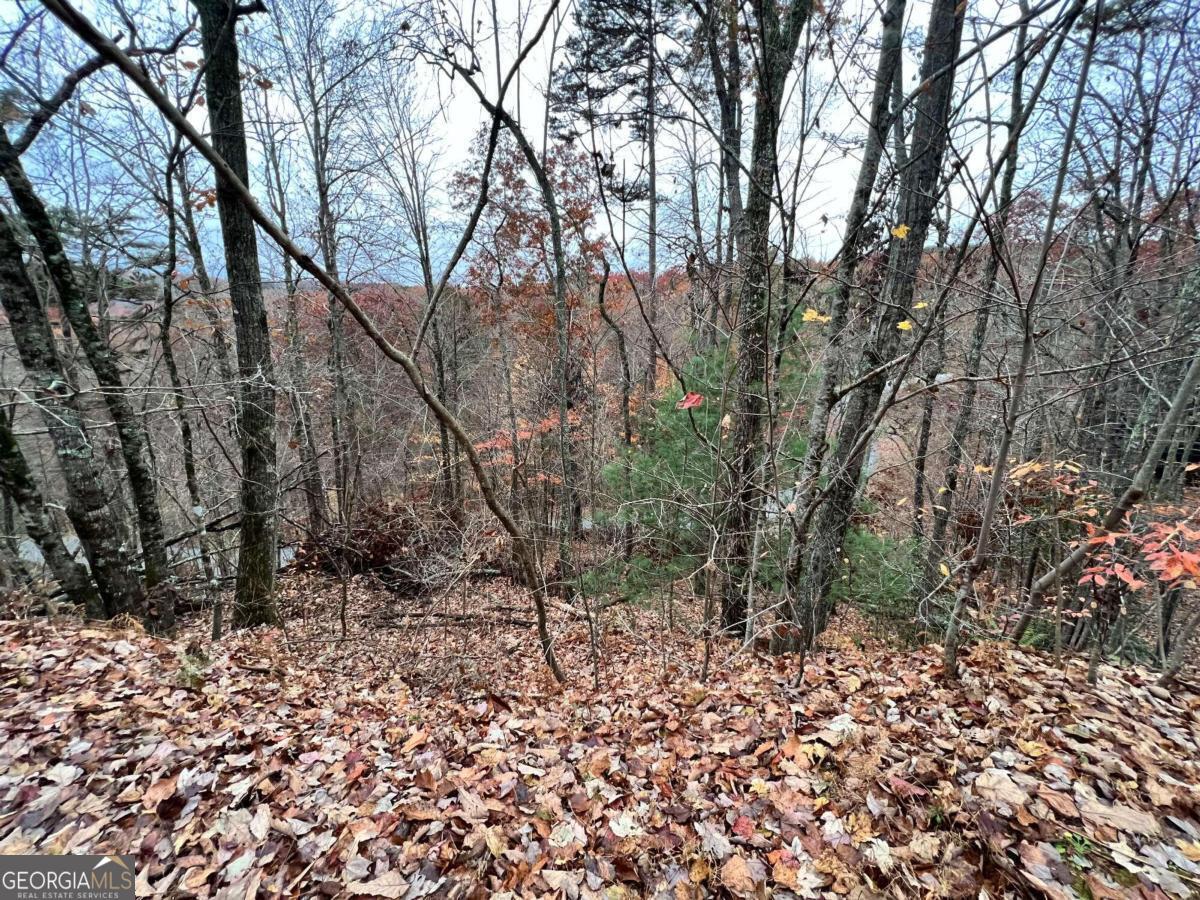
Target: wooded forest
<point>602,448</point>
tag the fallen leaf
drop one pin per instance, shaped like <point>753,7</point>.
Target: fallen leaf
<point>1045,870</point>
<point>473,808</point>
<point>159,791</point>
<point>390,884</point>
<point>743,877</point>
<point>1123,818</point>
<point>713,840</point>
<point>997,786</point>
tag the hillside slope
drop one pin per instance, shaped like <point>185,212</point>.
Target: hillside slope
<point>328,770</point>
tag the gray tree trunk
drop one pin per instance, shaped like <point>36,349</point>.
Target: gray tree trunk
<point>160,611</point>
<point>18,481</point>
<point>253,599</point>
<point>779,40</point>
<point>99,524</point>
<point>886,76</point>
<point>191,239</point>
<point>918,197</point>
<point>652,235</point>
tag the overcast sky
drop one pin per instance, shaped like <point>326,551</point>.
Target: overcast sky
<point>820,172</point>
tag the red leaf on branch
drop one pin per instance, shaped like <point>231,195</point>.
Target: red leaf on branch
<point>690,400</point>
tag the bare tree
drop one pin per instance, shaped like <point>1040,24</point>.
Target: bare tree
<point>253,603</point>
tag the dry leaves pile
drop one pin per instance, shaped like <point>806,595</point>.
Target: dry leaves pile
<point>266,772</point>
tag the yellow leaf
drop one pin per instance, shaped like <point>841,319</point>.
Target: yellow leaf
<point>983,470</point>
<point>906,325</point>
<point>944,569</point>
<point>1027,468</point>
<point>813,315</point>
<point>495,840</point>
<point>943,490</point>
<point>920,305</point>
<point>900,232</point>
<point>815,752</point>
<point>1191,849</point>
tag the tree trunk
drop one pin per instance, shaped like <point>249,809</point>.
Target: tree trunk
<point>195,496</point>
<point>341,415</point>
<point>253,600</point>
<point>446,494</point>
<point>302,427</point>
<point>891,50</point>
<point>918,196</point>
<point>99,524</point>
<point>725,58</point>
<point>17,481</point>
<point>297,371</point>
<point>1179,651</point>
<point>652,235</point>
<point>626,392</point>
<point>568,497</point>
<point>779,40</point>
<point>924,431</point>
<point>160,614</point>
<point>212,314</point>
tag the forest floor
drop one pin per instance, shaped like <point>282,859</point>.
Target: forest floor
<point>442,761</point>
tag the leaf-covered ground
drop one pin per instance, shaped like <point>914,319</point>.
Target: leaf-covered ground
<point>440,761</point>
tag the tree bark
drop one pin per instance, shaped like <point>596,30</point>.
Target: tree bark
<point>778,42</point>
<point>99,523</point>
<point>1179,651</point>
<point>725,59</point>
<point>924,431</point>
<point>652,234</point>
<point>918,196</point>
<point>160,612</point>
<point>253,599</point>
<point>18,482</point>
<point>891,49</point>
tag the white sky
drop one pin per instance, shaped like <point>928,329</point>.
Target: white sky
<point>827,165</point>
<point>827,172</point>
